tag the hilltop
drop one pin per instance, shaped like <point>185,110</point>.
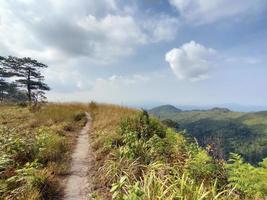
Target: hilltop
<point>164,110</point>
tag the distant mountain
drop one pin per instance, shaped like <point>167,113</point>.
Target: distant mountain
<point>220,109</point>
<point>164,110</point>
<point>223,130</point>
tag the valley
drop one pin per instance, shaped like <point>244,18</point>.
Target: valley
<point>222,130</point>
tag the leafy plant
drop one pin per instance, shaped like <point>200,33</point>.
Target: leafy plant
<point>249,180</point>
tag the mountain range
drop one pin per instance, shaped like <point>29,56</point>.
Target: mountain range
<point>221,130</point>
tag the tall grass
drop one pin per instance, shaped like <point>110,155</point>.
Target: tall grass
<point>104,136</point>
<point>35,148</point>
<point>137,157</point>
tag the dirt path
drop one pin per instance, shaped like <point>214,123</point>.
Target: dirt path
<point>77,186</point>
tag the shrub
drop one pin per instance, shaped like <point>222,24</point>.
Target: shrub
<point>146,160</point>
<point>13,146</point>
<point>201,166</point>
<point>142,126</point>
<point>161,181</point>
<point>249,180</point>
<point>79,116</point>
<point>49,146</point>
<point>33,154</point>
<point>139,135</point>
<point>32,183</point>
<point>170,123</point>
<point>172,168</point>
<point>114,168</point>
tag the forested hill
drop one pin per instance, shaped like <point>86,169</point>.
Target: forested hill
<point>165,110</point>
<point>223,131</point>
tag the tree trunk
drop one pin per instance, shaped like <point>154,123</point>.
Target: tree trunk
<point>2,96</point>
<point>29,92</point>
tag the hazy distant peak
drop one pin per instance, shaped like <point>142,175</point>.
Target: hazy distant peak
<point>220,109</point>
<point>164,109</point>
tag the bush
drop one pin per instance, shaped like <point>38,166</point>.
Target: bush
<point>148,161</point>
<point>35,153</point>
<point>249,180</point>
<point>170,123</point>
<point>23,104</point>
<point>14,147</point>
<point>30,182</point>
<point>142,126</point>
<point>170,166</point>
<point>49,146</point>
<point>79,116</point>
<point>201,166</point>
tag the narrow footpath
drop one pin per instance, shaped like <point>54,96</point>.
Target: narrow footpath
<point>77,185</point>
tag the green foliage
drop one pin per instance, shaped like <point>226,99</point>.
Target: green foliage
<point>263,164</point>
<point>28,75</point>
<point>139,136</point>
<point>201,166</point>
<point>164,110</point>
<point>79,116</point>
<point>22,160</point>
<point>223,130</point>
<point>170,123</point>
<point>50,147</point>
<point>137,163</point>
<point>154,162</point>
<point>143,126</point>
<point>133,192</point>
<point>30,180</point>
<point>133,147</point>
<point>151,166</point>
<point>161,181</point>
<point>249,180</point>
<point>33,154</point>
<point>14,149</point>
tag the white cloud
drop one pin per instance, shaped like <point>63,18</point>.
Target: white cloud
<point>164,28</point>
<point>209,11</point>
<point>75,37</point>
<point>191,61</point>
<point>118,80</point>
<point>101,31</point>
<point>107,37</point>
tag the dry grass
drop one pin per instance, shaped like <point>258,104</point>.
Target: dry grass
<point>128,167</point>
<point>106,119</point>
<point>63,120</point>
<point>53,128</point>
<point>51,114</point>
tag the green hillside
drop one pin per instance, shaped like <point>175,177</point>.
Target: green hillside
<point>165,110</point>
<point>223,131</point>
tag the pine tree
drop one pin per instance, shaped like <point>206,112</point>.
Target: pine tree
<point>13,94</point>
<point>3,75</point>
<point>29,75</point>
<point>3,88</point>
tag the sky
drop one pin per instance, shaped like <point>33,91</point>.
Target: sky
<point>143,52</point>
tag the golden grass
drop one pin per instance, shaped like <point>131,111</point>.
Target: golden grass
<point>106,118</point>
<point>60,122</point>
<point>117,177</point>
<point>51,114</point>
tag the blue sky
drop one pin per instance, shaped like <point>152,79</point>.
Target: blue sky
<point>189,52</point>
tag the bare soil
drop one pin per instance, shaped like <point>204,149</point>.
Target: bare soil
<point>77,182</point>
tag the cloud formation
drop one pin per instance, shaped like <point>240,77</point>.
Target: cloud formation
<point>192,61</point>
<point>124,80</point>
<point>206,11</point>
<point>102,31</point>
<point>75,36</point>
